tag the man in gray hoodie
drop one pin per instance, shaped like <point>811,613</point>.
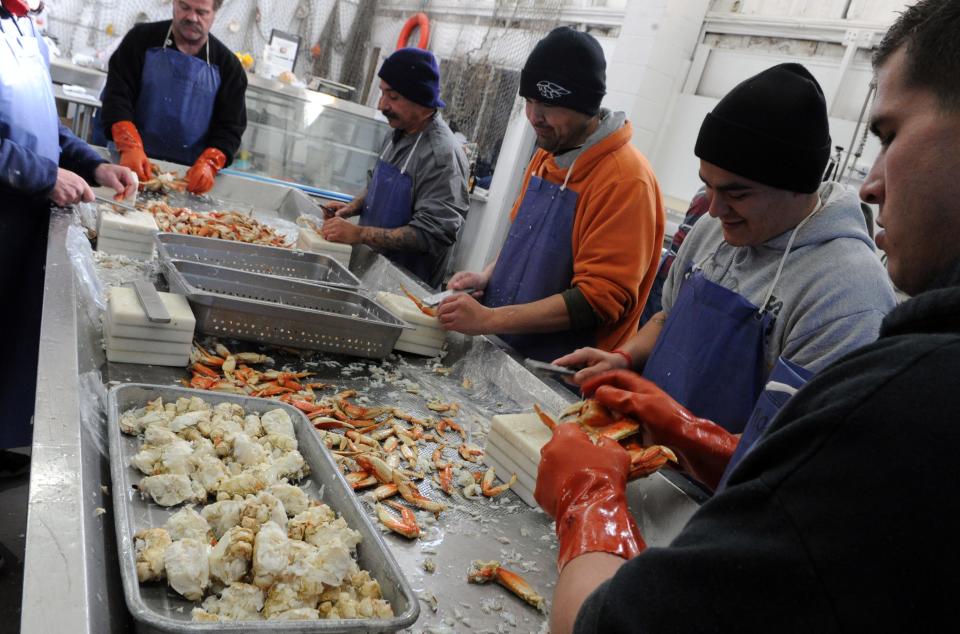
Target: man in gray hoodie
<point>780,281</point>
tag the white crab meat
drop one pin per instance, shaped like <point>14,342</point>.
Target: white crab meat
<point>149,546</point>
<point>298,614</point>
<point>290,465</point>
<point>158,436</point>
<point>249,481</point>
<point>222,516</point>
<point>277,421</point>
<point>188,419</point>
<point>187,523</point>
<point>203,447</point>
<point>278,442</point>
<point>175,457</point>
<point>230,558</point>
<point>170,489</point>
<point>146,460</point>
<point>294,498</point>
<point>305,526</point>
<point>208,471</point>
<point>260,509</point>
<point>246,451</point>
<point>283,597</point>
<point>188,569</point>
<point>252,426</point>
<point>269,554</point>
<point>239,602</point>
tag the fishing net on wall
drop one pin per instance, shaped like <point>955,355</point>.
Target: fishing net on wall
<point>481,76</point>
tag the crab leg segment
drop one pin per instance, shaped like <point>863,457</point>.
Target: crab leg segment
<point>486,571</point>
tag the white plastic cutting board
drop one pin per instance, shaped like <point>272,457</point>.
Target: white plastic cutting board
<point>404,308</point>
<point>524,492</point>
<point>124,344</point>
<point>148,358</point>
<point>525,432</point>
<point>153,334</point>
<point>310,240</point>
<point>136,224</point>
<point>124,309</point>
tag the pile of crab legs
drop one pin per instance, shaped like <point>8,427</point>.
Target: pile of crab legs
<point>370,443</point>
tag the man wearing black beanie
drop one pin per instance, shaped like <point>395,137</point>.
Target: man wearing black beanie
<point>779,282</point>
<point>583,247</point>
<point>415,203</point>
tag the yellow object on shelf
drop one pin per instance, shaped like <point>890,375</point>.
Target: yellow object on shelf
<point>246,60</point>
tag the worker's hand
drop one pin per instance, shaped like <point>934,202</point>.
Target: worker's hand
<point>469,279</point>
<point>338,209</point>
<point>200,177</point>
<point>582,486</point>
<point>341,230</point>
<point>463,313</point>
<point>118,178</point>
<point>70,189</point>
<point>593,362</point>
<point>702,447</point>
<point>130,145</point>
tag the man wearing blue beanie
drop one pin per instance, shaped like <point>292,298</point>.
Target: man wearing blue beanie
<point>415,202</point>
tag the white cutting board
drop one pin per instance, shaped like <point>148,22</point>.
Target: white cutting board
<point>404,308</point>
<point>310,240</point>
<point>524,432</point>
<point>153,334</point>
<point>135,225</point>
<point>124,309</point>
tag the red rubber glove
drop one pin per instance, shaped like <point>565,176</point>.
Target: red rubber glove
<point>130,145</point>
<point>702,447</point>
<point>200,176</point>
<point>583,486</point>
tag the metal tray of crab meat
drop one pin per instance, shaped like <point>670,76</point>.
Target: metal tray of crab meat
<point>156,608</point>
<point>256,258</point>
<point>283,312</point>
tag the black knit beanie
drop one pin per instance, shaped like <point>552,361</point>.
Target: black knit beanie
<point>771,128</point>
<point>566,68</point>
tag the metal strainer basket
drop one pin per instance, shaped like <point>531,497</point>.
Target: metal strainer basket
<point>283,312</point>
<point>256,258</point>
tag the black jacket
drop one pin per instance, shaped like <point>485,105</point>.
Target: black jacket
<point>842,519</point>
<point>123,86</point>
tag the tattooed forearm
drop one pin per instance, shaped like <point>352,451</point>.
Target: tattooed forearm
<point>399,239</point>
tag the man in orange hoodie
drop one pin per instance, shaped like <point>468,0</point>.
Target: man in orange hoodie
<point>586,235</point>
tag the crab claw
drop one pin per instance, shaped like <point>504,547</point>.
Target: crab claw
<point>406,525</point>
<point>545,417</point>
<point>410,493</point>
<point>486,485</point>
<point>647,460</point>
<point>469,451</point>
<point>382,492</point>
<point>485,571</point>
<point>380,469</point>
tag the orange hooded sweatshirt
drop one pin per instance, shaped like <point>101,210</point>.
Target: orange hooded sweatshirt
<point>617,230</point>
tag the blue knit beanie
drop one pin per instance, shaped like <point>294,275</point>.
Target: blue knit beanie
<point>415,74</point>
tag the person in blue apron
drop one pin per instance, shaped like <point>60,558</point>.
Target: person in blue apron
<point>584,241</point>
<point>41,164</point>
<point>781,280</point>
<point>175,93</point>
<point>414,206</point>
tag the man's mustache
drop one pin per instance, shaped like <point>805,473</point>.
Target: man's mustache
<point>389,114</point>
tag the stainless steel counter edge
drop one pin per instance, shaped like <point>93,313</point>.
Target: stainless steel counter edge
<point>65,588</point>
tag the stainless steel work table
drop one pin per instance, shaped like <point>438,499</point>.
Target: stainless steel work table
<point>71,580</point>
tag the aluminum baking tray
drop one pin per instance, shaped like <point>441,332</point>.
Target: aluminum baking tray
<point>256,258</point>
<point>155,608</point>
<point>283,312</point>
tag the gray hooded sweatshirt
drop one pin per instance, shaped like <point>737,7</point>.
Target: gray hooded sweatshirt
<point>833,291</point>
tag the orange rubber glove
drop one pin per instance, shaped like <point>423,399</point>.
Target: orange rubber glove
<point>200,176</point>
<point>702,447</point>
<point>130,145</point>
<point>583,486</point>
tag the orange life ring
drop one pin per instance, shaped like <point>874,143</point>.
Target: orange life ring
<point>416,21</point>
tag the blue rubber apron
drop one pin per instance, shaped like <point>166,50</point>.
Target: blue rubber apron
<point>787,377</point>
<point>536,261</point>
<point>710,354</point>
<point>175,105</point>
<point>28,118</point>
<point>389,204</point>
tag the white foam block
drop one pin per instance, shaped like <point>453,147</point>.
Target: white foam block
<point>522,491</point>
<point>525,432</point>
<point>148,358</point>
<point>124,344</point>
<point>137,332</point>
<point>114,250</point>
<point>124,309</point>
<point>131,238</point>
<point>133,223</point>
<point>105,243</point>
<point>511,466</point>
